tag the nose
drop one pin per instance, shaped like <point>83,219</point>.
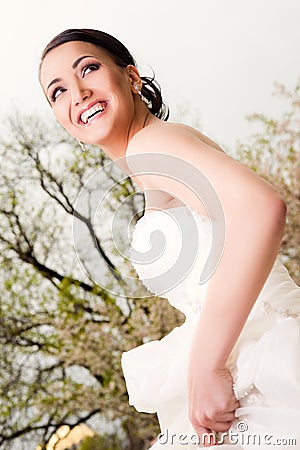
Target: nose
<point>79,94</point>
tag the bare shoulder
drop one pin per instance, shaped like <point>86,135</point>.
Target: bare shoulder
<point>167,137</point>
<point>234,183</point>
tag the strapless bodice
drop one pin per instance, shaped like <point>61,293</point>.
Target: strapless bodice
<point>169,251</point>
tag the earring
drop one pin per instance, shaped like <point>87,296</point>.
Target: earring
<point>145,100</point>
<point>82,146</point>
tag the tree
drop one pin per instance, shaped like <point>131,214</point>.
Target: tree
<point>62,334</point>
<point>274,153</point>
<point>103,442</point>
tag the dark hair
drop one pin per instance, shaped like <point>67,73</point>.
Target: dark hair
<point>121,56</point>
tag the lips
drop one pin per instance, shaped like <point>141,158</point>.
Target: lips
<point>91,111</point>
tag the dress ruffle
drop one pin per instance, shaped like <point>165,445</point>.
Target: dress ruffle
<point>265,362</point>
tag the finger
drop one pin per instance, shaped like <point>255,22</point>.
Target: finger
<point>220,422</point>
<point>231,407</point>
<point>234,404</point>
<point>225,417</point>
<point>221,426</point>
<point>206,436</point>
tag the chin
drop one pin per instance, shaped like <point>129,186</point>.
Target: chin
<point>98,141</point>
<point>92,138</point>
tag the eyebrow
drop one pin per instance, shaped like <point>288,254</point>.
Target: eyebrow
<point>74,65</point>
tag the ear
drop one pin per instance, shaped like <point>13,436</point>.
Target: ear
<point>134,78</point>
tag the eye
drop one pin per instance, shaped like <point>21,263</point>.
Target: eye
<point>90,67</point>
<point>56,93</point>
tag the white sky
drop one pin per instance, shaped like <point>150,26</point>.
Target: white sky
<point>219,57</point>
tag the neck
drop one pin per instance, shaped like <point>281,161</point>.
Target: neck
<point>117,149</point>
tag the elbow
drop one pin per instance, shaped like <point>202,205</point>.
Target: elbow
<point>269,214</point>
<point>283,208</point>
<point>277,212</point>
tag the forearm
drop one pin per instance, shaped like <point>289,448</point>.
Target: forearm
<point>250,250</point>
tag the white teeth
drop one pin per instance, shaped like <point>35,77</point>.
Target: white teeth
<point>86,115</point>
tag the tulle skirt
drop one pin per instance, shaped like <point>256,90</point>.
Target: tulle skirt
<point>265,365</point>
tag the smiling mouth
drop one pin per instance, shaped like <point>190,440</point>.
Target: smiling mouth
<point>95,110</point>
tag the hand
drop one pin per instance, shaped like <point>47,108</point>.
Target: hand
<point>212,403</point>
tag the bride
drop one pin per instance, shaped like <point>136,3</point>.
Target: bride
<point>230,375</point>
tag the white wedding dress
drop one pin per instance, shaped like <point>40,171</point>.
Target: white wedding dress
<point>265,362</point>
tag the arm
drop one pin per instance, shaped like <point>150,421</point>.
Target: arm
<point>255,220</point>
<point>250,250</point>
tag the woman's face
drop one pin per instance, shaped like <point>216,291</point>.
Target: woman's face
<point>91,96</point>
